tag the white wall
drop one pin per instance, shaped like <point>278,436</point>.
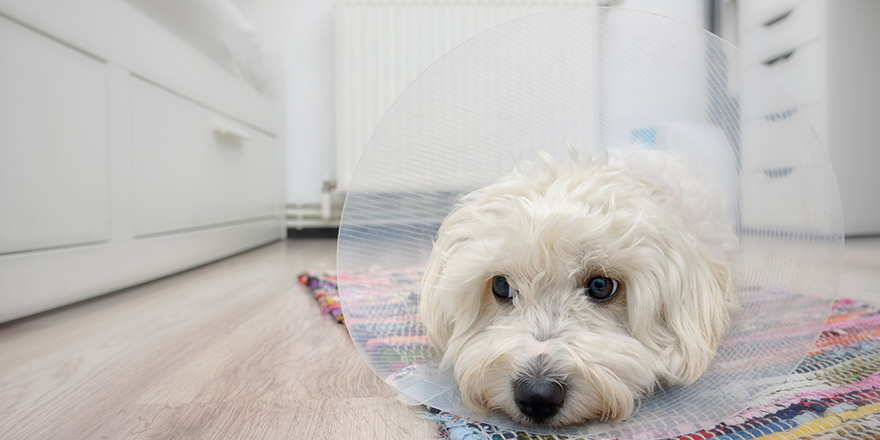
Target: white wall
<point>299,33</point>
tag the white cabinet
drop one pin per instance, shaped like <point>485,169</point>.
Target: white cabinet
<point>800,71</point>
<point>125,155</point>
<point>213,168</point>
<point>824,52</point>
<point>775,140</point>
<point>54,188</point>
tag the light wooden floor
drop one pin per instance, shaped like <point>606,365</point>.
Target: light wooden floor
<point>860,274</point>
<point>232,350</point>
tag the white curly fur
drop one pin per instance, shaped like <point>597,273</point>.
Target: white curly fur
<point>642,217</point>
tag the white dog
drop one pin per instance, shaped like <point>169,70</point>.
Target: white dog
<point>561,294</point>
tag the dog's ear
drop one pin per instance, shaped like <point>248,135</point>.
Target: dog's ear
<point>682,308</point>
<point>690,298</point>
<point>438,325</point>
<point>451,290</point>
<point>701,316</point>
<point>441,304</point>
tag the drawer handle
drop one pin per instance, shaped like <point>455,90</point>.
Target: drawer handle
<point>778,173</point>
<point>781,116</point>
<point>230,131</point>
<point>779,58</point>
<point>778,18</point>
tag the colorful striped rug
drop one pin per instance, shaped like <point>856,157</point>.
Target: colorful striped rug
<point>834,393</point>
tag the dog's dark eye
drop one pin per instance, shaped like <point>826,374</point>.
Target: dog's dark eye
<point>602,288</point>
<point>501,288</point>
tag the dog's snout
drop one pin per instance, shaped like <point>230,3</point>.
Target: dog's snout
<point>538,398</point>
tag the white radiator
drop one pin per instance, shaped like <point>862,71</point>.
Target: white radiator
<point>382,46</point>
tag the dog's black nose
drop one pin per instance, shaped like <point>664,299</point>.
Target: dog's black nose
<point>538,398</point>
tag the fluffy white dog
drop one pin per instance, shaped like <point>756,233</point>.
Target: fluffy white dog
<point>563,293</point>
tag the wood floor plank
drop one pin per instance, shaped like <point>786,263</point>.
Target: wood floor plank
<point>860,274</point>
<point>361,418</point>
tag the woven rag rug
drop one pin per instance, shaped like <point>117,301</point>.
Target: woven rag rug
<point>834,393</point>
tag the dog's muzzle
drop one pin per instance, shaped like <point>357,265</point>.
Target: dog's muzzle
<point>538,397</point>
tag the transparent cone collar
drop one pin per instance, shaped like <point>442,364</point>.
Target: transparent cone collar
<point>597,78</point>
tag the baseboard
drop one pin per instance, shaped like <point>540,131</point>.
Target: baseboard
<point>304,233</point>
<point>38,281</point>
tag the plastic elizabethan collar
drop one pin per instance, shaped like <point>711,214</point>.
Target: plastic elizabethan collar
<point>597,78</point>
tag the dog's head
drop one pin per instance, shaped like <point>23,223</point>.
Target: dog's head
<point>562,295</point>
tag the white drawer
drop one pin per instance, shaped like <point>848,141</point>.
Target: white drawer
<point>801,72</point>
<point>792,199</point>
<point>188,174</point>
<point>779,140</point>
<point>753,13</point>
<point>817,115</point>
<point>54,185</point>
<point>794,28</point>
